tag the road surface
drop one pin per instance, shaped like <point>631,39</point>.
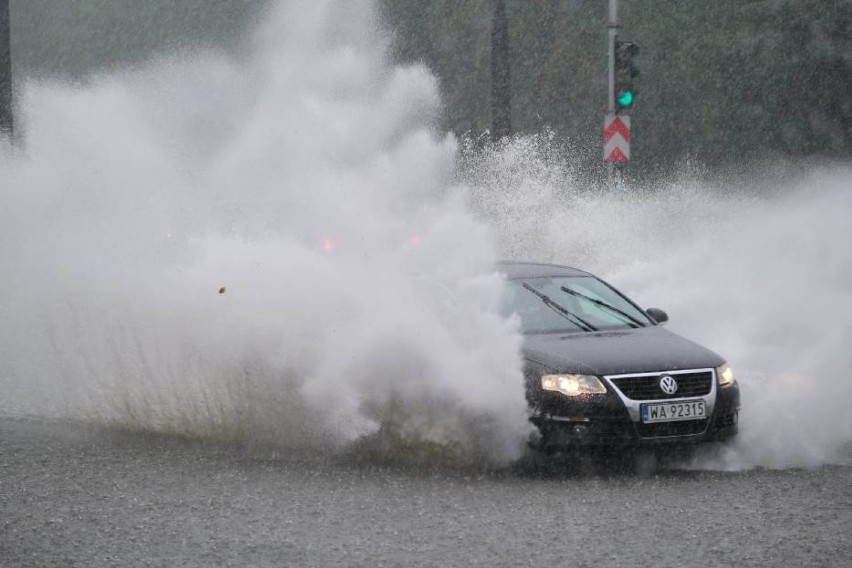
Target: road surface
<point>76,495</point>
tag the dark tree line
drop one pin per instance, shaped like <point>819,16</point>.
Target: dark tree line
<point>73,38</point>
<point>722,82</point>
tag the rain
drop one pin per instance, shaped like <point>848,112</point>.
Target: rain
<point>254,297</point>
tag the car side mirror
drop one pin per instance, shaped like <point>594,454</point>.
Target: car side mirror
<point>658,315</point>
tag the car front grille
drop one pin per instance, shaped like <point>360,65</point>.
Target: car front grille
<point>647,387</point>
<point>663,429</point>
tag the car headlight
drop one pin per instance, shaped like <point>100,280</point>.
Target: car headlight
<point>573,385</point>
<point>725,375</point>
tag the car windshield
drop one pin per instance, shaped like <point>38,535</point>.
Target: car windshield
<point>570,304</point>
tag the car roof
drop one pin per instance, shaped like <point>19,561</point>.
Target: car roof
<point>519,269</point>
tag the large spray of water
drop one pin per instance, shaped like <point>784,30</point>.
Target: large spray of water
<point>306,182</point>
<point>264,249</point>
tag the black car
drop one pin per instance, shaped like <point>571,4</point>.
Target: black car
<point>601,371</point>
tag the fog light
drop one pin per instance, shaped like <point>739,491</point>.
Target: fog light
<point>581,430</point>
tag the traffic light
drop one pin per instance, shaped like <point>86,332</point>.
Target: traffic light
<point>625,72</point>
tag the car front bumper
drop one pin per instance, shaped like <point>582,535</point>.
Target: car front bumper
<point>614,419</point>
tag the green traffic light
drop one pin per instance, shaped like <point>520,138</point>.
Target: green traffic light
<point>625,99</point>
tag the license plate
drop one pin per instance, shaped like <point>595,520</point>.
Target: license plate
<point>673,411</point>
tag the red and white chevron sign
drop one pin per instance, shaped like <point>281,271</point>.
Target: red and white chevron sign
<point>616,138</point>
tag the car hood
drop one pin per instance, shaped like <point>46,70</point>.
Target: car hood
<point>639,350</point>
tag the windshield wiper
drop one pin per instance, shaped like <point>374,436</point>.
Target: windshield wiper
<point>573,318</point>
<point>633,322</point>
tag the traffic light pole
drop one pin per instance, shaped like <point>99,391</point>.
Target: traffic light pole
<point>6,121</point>
<point>612,27</point>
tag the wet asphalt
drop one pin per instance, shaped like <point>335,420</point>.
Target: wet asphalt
<point>77,495</point>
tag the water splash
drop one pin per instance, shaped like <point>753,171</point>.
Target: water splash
<point>161,239</point>
<point>763,277</point>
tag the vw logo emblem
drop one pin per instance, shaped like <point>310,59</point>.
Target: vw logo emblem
<point>668,385</point>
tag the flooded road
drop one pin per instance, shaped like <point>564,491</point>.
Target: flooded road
<point>76,495</point>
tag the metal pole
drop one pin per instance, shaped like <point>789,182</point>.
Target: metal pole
<point>501,76</point>
<point>612,27</point>
<point>6,118</point>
